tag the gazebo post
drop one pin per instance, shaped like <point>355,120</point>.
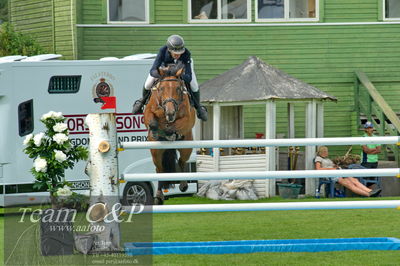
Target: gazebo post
<point>320,119</point>
<point>291,118</point>
<point>311,129</point>
<point>216,133</point>
<point>270,133</point>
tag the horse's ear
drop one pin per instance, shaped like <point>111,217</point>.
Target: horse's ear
<point>179,72</point>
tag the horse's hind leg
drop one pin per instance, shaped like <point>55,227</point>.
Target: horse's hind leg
<point>159,200</point>
<point>184,157</point>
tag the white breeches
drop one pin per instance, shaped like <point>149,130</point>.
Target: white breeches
<point>194,85</point>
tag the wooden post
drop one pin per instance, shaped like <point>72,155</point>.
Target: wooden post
<point>216,133</point>
<point>311,129</point>
<point>102,169</point>
<point>270,152</point>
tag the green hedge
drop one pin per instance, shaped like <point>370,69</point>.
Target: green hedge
<point>16,43</point>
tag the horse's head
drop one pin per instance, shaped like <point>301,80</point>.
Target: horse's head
<point>170,90</point>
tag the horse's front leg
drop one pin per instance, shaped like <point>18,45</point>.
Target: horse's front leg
<point>152,124</point>
<point>183,158</point>
<point>157,160</point>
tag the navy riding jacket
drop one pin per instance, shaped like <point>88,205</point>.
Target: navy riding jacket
<point>164,58</point>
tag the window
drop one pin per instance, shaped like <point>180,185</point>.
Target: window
<point>64,84</point>
<point>392,9</point>
<point>25,118</point>
<point>128,11</point>
<point>287,10</point>
<point>220,10</point>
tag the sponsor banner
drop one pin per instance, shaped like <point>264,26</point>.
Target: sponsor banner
<point>125,122</point>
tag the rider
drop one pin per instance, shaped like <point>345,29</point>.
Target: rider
<point>173,52</point>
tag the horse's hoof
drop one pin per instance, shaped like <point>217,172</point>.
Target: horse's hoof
<point>183,186</point>
<point>158,201</point>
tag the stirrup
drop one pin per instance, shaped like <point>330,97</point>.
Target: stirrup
<point>202,113</point>
<point>138,107</point>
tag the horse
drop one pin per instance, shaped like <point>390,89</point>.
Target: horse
<point>169,116</point>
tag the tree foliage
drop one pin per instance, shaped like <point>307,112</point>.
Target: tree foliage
<point>16,43</point>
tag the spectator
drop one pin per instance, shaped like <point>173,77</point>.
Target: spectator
<point>369,154</point>
<point>322,162</point>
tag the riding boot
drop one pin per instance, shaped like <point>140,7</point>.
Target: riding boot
<point>138,105</point>
<point>201,110</point>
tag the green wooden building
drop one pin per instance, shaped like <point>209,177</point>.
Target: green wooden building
<point>321,42</point>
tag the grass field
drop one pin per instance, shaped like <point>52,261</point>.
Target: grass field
<point>262,225</point>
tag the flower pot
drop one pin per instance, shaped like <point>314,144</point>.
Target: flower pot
<point>289,191</point>
<point>56,232</point>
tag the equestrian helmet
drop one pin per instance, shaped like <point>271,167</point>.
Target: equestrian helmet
<point>176,44</point>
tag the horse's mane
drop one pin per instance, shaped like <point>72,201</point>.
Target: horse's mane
<point>171,69</point>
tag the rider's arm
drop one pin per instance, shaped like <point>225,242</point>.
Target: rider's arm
<point>158,62</point>
<point>187,61</point>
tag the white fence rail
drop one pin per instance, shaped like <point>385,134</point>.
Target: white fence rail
<point>265,174</point>
<point>260,142</point>
<point>328,205</point>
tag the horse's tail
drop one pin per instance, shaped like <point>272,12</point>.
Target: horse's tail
<point>169,161</point>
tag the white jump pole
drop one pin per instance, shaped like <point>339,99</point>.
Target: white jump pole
<point>264,174</point>
<point>260,142</point>
<point>286,206</point>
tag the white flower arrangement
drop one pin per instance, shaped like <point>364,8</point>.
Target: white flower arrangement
<point>37,139</point>
<point>60,156</point>
<point>53,115</point>
<point>52,152</point>
<point>28,139</point>
<point>60,138</point>
<point>40,165</point>
<point>64,191</point>
<point>60,127</point>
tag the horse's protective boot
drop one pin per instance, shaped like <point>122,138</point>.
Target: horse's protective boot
<point>201,110</point>
<point>138,105</point>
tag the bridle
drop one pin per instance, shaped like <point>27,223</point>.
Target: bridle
<point>180,89</point>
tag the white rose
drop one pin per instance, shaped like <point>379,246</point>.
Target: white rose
<point>64,191</point>
<point>60,127</point>
<point>60,156</point>
<point>52,114</point>
<point>47,115</point>
<point>60,138</point>
<point>38,139</point>
<point>40,165</point>
<point>27,139</point>
<point>58,115</point>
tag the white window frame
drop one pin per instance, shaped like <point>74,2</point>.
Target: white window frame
<point>192,20</point>
<point>384,13</point>
<point>147,15</point>
<point>286,14</point>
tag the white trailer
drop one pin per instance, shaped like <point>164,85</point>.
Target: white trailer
<point>31,88</point>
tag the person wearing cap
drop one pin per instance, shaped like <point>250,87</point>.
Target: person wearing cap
<point>369,153</point>
<point>173,52</point>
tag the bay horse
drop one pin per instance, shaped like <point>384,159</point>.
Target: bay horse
<point>169,116</point>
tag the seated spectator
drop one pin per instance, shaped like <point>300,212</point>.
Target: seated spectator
<point>322,162</point>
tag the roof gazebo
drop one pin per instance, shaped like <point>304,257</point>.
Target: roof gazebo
<point>250,83</point>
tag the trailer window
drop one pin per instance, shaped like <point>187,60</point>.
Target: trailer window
<point>64,84</point>
<point>25,118</point>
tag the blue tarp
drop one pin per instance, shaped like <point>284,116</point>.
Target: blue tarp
<point>251,246</point>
